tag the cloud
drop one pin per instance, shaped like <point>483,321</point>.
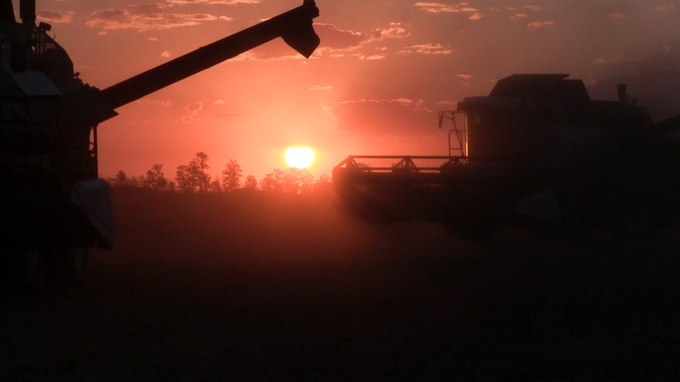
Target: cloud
<point>300,109</point>
<point>144,17</point>
<point>396,117</point>
<point>335,42</point>
<point>338,39</point>
<point>194,113</point>
<point>658,90</point>
<point>654,79</point>
<point>220,102</point>
<point>519,15</point>
<point>55,17</point>
<point>465,76</point>
<point>154,39</point>
<point>429,49</point>
<point>450,104</point>
<point>319,87</point>
<point>166,54</point>
<point>618,15</point>
<point>618,58</point>
<point>432,7</point>
<point>537,24</point>
<point>228,114</point>
<point>372,57</point>
<point>395,31</point>
<point>533,7</point>
<point>148,102</point>
<point>476,16</point>
<point>664,7</point>
<point>334,39</point>
<point>223,2</point>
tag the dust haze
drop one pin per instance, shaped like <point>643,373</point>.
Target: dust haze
<point>267,286</point>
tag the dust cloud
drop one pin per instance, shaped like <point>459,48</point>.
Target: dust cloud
<point>263,286</point>
<point>261,227</point>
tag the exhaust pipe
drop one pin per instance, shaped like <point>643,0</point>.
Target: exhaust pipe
<point>27,11</point>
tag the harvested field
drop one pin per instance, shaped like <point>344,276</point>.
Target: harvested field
<point>258,286</point>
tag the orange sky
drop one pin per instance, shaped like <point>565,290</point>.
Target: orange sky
<point>383,70</point>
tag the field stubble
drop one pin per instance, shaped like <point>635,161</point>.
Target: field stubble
<point>254,286</point>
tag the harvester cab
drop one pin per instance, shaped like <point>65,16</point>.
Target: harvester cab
<point>546,119</point>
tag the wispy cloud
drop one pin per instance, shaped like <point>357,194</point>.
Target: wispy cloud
<point>336,42</point>
<point>396,117</point>
<point>55,17</point>
<point>373,57</point>
<point>430,48</point>
<point>223,2</point>
<point>146,17</point>
<point>395,31</point>
<point>538,24</point>
<point>193,113</point>
<point>618,15</point>
<point>432,7</point>
<point>149,102</point>
<point>320,87</point>
<point>615,59</point>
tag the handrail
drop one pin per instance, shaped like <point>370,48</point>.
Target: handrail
<point>415,163</point>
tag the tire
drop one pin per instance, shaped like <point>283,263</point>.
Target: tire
<point>22,269</point>
<point>72,265</point>
<point>36,267</point>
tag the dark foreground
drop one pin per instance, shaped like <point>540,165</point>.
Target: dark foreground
<point>257,287</point>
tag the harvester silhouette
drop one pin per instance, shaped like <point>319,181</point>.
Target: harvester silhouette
<point>53,207</point>
<point>536,150</point>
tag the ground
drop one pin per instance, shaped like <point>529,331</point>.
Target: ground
<point>254,286</point>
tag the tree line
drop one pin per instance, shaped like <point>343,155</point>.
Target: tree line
<point>193,177</point>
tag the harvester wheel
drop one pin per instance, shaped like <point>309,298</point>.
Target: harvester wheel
<point>34,273</point>
<point>72,264</point>
<point>22,269</point>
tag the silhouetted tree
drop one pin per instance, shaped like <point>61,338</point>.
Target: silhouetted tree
<point>297,181</point>
<point>273,181</point>
<point>134,181</point>
<point>184,180</point>
<point>155,179</point>
<point>193,177</point>
<point>291,181</point>
<point>120,178</point>
<point>323,184</point>
<point>250,183</point>
<point>231,176</point>
<point>215,186</point>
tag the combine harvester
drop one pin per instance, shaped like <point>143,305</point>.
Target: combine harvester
<point>536,151</point>
<point>53,207</point>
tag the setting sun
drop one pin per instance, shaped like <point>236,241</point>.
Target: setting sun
<point>299,157</point>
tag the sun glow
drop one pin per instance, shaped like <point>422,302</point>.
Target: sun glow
<point>299,157</point>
